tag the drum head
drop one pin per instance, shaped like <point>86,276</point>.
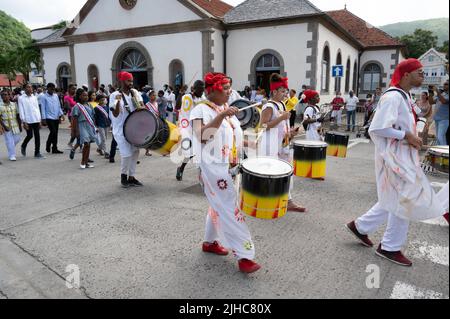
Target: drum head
<point>140,128</point>
<point>337,134</point>
<point>441,151</point>
<point>310,144</point>
<point>245,117</point>
<point>267,167</point>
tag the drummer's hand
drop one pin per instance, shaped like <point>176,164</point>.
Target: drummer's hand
<point>119,97</point>
<point>414,141</point>
<point>286,115</point>
<point>295,131</point>
<point>231,111</point>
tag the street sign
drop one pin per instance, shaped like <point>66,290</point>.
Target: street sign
<point>338,71</point>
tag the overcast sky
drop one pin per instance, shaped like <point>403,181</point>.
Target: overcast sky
<point>42,13</point>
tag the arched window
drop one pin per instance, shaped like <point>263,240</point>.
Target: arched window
<point>134,61</point>
<point>337,82</point>
<point>263,65</point>
<point>371,77</point>
<point>325,75</point>
<point>268,62</point>
<point>176,73</point>
<point>93,77</point>
<point>347,76</point>
<point>355,77</point>
<point>63,76</point>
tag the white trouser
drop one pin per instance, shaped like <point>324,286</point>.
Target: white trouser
<point>103,135</point>
<point>128,164</point>
<point>11,140</point>
<point>396,231</point>
<point>338,116</point>
<point>225,223</point>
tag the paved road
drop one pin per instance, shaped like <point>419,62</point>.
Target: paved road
<point>145,243</point>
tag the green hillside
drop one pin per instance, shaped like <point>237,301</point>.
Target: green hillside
<point>13,33</point>
<point>438,26</point>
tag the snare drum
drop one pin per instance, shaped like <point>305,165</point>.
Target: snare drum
<point>310,159</point>
<point>337,144</point>
<point>438,158</point>
<point>264,189</point>
<point>249,118</point>
<point>143,129</point>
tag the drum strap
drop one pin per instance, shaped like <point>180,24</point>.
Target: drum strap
<point>286,140</point>
<point>234,153</point>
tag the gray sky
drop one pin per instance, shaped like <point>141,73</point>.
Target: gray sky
<point>42,13</point>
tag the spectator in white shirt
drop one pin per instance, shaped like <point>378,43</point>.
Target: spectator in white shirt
<point>171,101</point>
<point>30,116</point>
<point>351,105</point>
<point>234,94</point>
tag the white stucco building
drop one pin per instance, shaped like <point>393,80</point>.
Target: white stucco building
<point>158,39</point>
<point>435,66</point>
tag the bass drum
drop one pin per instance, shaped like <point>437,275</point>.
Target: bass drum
<point>249,118</point>
<point>143,129</point>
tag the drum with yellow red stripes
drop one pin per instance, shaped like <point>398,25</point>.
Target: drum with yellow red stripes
<point>337,144</point>
<point>310,159</point>
<point>264,189</point>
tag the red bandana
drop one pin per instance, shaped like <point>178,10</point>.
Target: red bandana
<point>407,66</point>
<point>309,95</point>
<point>124,76</point>
<point>276,85</point>
<point>215,82</point>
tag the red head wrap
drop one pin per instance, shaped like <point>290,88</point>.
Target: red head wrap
<point>407,66</point>
<point>276,85</point>
<point>124,76</point>
<point>309,94</point>
<point>215,82</point>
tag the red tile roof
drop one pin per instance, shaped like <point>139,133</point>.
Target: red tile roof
<point>215,7</point>
<point>4,82</point>
<point>367,35</point>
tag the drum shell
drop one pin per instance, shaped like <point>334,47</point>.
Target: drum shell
<point>161,140</point>
<point>250,118</point>
<point>438,160</point>
<point>310,161</point>
<point>264,197</point>
<point>337,144</point>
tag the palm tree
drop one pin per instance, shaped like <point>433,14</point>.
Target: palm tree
<point>7,67</point>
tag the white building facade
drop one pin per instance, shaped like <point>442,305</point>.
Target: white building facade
<point>159,39</point>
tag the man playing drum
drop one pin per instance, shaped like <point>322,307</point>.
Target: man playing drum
<point>404,192</point>
<point>123,103</point>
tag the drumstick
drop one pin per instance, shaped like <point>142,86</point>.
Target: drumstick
<point>437,147</point>
<point>250,106</point>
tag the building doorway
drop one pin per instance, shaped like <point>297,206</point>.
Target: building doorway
<point>265,67</point>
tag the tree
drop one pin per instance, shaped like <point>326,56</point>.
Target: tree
<point>444,48</point>
<point>60,25</point>
<point>419,42</point>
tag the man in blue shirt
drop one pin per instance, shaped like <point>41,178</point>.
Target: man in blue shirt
<point>441,115</point>
<point>52,116</point>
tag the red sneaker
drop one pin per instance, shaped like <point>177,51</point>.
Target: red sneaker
<point>396,257</point>
<point>248,266</point>
<point>215,248</point>
<point>363,238</point>
<point>446,217</point>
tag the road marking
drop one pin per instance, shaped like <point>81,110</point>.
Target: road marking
<point>405,291</point>
<point>434,253</point>
<point>441,221</point>
<point>357,141</point>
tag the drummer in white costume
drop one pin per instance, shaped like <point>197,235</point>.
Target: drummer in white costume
<point>404,192</point>
<point>218,140</point>
<point>275,141</point>
<point>188,103</point>
<point>123,103</point>
<point>313,118</point>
